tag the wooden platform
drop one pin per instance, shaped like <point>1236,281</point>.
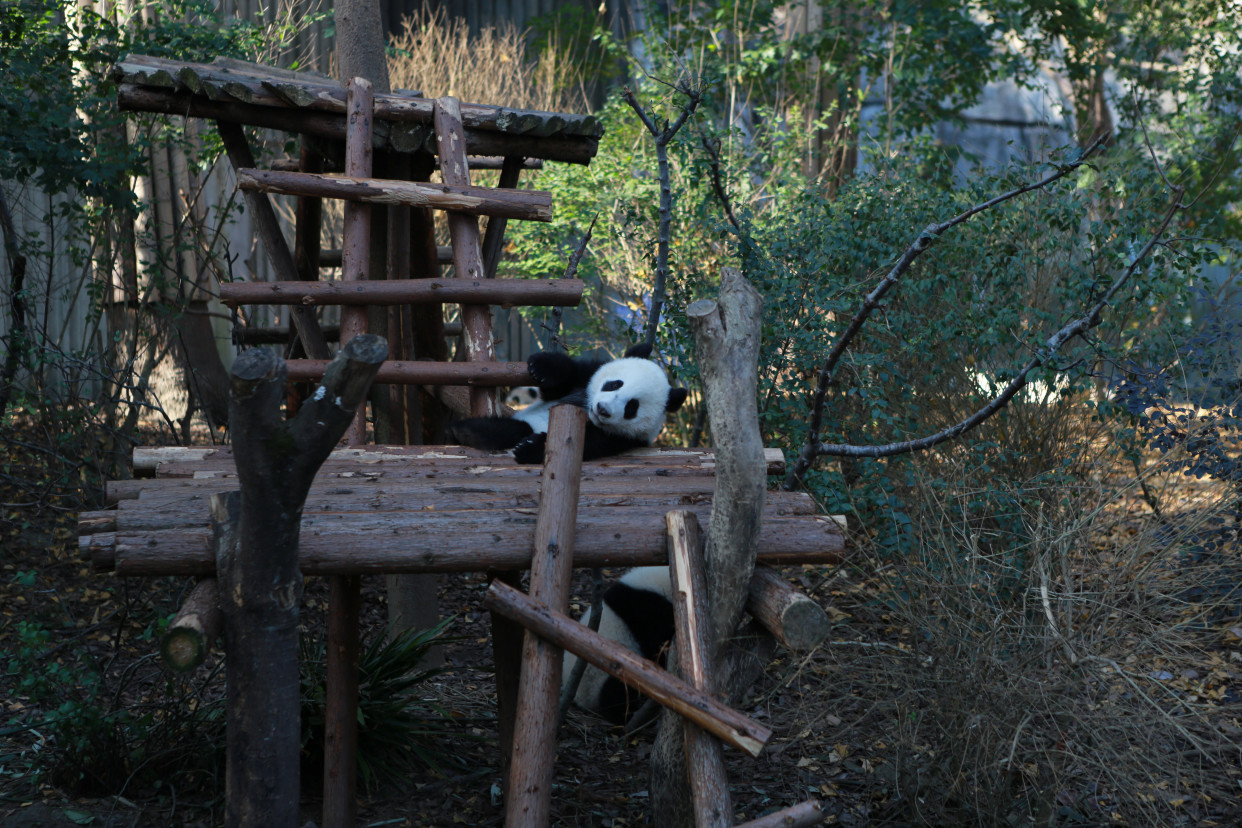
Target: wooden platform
<point>435,509</point>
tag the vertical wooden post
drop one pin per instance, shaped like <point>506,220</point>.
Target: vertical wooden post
<point>692,638</point>
<point>529,798</point>
<point>340,767</point>
<point>467,255</point>
<point>356,236</point>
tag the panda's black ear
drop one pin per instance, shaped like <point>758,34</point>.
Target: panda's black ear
<point>641,350</point>
<point>676,396</point>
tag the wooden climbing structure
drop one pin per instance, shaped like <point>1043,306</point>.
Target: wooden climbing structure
<point>434,508</point>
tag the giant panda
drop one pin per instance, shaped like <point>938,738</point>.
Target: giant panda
<point>625,399</point>
<point>638,614</point>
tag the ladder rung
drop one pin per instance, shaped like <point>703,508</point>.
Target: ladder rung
<point>530,205</point>
<point>402,372</point>
<point>506,292</point>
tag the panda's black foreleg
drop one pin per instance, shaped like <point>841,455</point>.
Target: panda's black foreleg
<point>559,375</point>
<point>489,433</point>
<point>530,449</point>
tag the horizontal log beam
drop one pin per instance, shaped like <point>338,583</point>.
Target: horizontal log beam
<point>503,292</point>
<point>695,705</point>
<point>502,540</point>
<point>526,205</point>
<point>401,372</point>
<point>147,460</point>
<point>179,507</point>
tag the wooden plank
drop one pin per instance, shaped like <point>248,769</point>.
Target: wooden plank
<point>528,205</point>
<point>525,292</point>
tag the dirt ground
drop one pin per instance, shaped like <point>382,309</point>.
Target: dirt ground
<point>847,727</point>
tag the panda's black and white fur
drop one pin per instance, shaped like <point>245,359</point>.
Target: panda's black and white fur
<point>625,399</point>
<point>522,396</point>
<point>638,614</point>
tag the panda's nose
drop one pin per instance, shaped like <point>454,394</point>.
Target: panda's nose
<point>601,411</point>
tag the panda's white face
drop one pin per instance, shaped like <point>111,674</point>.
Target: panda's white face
<point>629,397</point>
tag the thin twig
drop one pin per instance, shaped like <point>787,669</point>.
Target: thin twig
<point>921,244</point>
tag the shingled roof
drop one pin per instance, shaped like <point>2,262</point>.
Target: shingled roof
<point>313,104</point>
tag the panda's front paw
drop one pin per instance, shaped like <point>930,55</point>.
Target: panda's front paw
<point>530,450</point>
<point>551,368</point>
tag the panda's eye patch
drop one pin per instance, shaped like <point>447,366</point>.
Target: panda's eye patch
<point>631,409</point>
<point>612,385</point>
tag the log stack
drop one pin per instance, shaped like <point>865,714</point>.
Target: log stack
<point>435,509</point>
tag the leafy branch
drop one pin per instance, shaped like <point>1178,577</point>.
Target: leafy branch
<point>815,447</point>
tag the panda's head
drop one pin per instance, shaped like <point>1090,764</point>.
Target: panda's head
<point>522,396</point>
<point>630,397</point>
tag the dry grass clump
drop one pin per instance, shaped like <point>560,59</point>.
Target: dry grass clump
<point>1087,673</point>
<point>438,56</point>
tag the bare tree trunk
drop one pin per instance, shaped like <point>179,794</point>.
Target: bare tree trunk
<point>257,567</point>
<point>726,335</point>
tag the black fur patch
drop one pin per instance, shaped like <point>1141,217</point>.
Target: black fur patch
<point>649,615</point>
<point>612,385</point>
<point>618,701</point>
<point>631,409</point>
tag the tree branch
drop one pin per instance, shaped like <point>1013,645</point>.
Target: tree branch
<point>1077,327</point>
<point>663,137</point>
<point>872,301</point>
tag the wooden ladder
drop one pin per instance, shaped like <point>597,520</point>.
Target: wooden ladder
<point>473,287</point>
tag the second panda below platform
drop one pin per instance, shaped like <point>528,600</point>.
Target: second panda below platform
<point>626,401</point>
<point>638,614</point>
